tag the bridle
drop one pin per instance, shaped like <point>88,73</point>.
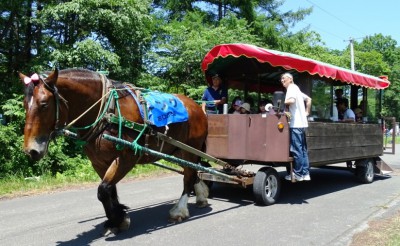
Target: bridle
<point>57,97</point>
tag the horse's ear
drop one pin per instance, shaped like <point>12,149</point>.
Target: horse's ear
<point>22,76</point>
<point>52,78</point>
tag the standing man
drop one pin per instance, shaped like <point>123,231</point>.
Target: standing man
<point>299,105</point>
<point>214,97</point>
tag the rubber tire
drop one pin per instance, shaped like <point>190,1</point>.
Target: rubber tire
<point>266,186</point>
<point>365,170</point>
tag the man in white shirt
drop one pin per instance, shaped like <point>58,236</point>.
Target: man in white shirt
<point>299,105</point>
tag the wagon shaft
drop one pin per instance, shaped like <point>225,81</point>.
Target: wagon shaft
<point>173,159</point>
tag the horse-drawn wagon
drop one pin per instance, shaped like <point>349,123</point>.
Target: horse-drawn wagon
<point>114,121</point>
<point>260,139</point>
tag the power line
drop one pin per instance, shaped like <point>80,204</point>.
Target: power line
<point>323,30</point>
<point>347,24</point>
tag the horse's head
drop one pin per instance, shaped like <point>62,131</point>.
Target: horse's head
<point>42,113</point>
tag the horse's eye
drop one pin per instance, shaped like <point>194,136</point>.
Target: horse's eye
<point>44,105</point>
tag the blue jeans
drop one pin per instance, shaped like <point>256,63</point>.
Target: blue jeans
<point>298,149</point>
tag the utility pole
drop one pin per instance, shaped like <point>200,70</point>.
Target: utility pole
<point>354,89</point>
<point>352,54</point>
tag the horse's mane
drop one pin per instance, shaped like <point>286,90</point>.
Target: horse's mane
<point>82,75</point>
<point>79,73</point>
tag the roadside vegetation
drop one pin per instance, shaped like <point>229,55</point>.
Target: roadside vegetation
<point>83,176</point>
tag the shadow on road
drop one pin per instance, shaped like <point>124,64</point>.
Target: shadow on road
<point>324,181</point>
<point>147,219</point>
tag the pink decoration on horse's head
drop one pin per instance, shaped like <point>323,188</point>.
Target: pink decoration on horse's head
<point>34,78</point>
<point>27,80</point>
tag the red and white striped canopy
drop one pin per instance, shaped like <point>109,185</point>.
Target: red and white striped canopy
<point>219,58</point>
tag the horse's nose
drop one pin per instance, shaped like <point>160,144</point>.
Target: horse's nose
<point>34,154</point>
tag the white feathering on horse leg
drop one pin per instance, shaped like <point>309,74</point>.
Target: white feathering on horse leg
<point>201,190</point>
<point>180,210</point>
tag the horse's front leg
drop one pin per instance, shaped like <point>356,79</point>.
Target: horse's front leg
<point>118,220</point>
<point>180,210</point>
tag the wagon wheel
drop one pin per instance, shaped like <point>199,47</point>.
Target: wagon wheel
<point>267,186</point>
<point>365,170</point>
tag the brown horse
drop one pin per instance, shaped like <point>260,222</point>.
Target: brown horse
<point>72,96</point>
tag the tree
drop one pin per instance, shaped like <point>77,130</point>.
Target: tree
<point>179,51</point>
<point>384,60</point>
<point>80,32</point>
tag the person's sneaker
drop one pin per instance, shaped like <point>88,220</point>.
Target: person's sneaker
<point>296,177</point>
<point>307,177</point>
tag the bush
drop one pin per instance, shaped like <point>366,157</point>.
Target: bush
<point>13,160</point>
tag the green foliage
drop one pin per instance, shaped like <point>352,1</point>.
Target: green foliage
<point>14,111</point>
<point>12,158</point>
<point>380,56</point>
<point>88,54</point>
<point>179,52</point>
<point>57,160</point>
<point>101,34</point>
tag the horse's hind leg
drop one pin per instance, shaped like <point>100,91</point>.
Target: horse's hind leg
<point>180,210</point>
<point>118,220</point>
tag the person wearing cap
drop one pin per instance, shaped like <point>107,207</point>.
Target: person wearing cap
<point>214,97</point>
<point>245,108</point>
<point>299,105</point>
<point>235,106</point>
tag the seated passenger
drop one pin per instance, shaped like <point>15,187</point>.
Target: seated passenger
<point>235,109</point>
<point>359,115</point>
<point>265,107</point>
<point>339,97</point>
<point>245,108</point>
<point>343,108</point>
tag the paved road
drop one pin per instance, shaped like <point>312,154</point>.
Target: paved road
<point>326,211</point>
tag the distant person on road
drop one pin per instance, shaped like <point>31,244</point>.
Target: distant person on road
<point>299,105</point>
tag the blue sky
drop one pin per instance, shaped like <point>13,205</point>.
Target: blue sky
<point>338,20</point>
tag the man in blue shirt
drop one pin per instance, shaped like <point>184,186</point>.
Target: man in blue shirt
<point>214,97</point>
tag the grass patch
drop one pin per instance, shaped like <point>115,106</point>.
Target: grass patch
<point>380,232</point>
<point>388,140</point>
<point>82,177</point>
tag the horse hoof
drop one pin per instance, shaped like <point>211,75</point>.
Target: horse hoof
<point>115,230</point>
<point>177,219</point>
<point>125,223</point>
<point>111,230</point>
<point>107,231</point>
<point>202,204</point>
